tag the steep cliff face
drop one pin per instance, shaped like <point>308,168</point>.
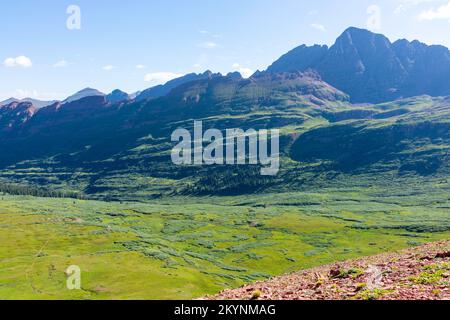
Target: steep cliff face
<point>15,114</point>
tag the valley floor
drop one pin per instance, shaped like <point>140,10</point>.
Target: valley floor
<point>185,248</point>
<point>421,273</point>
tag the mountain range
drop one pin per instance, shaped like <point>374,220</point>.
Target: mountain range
<point>370,68</point>
<point>35,102</point>
<point>365,65</point>
<point>112,145</point>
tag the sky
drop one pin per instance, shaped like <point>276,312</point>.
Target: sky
<point>51,49</point>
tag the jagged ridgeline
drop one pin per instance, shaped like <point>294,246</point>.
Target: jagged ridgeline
<point>118,147</point>
<point>371,68</point>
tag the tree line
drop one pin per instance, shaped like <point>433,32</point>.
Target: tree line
<point>21,190</point>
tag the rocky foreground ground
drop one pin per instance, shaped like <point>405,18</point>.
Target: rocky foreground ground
<point>420,273</point>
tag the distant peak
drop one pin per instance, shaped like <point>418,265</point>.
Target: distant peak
<point>90,90</point>
<point>210,74</point>
<point>36,103</point>
<point>355,29</point>
<point>234,75</point>
<point>359,33</point>
<point>404,43</point>
<point>8,101</point>
<point>86,92</point>
<point>16,104</point>
<point>118,91</point>
<point>360,38</point>
<point>117,96</point>
<point>257,73</point>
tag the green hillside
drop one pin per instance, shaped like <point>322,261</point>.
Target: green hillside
<point>322,142</point>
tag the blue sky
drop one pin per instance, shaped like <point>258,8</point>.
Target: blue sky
<point>135,44</point>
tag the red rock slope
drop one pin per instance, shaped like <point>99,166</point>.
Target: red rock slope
<point>420,273</point>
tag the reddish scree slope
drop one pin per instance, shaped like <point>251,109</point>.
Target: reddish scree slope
<point>420,273</point>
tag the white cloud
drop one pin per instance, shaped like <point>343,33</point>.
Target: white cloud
<point>20,61</point>
<point>443,12</point>
<point>245,72</point>
<point>406,4</point>
<point>161,77</point>
<point>319,27</point>
<point>108,67</point>
<point>10,62</point>
<point>209,45</point>
<point>140,66</point>
<point>61,64</point>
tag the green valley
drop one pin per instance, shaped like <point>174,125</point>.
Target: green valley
<point>183,247</point>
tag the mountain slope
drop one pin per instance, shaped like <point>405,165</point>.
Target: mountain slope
<point>105,149</point>
<point>419,273</point>
<point>100,138</point>
<point>299,59</point>
<point>370,68</point>
<point>15,114</point>
<point>413,137</point>
<point>162,90</point>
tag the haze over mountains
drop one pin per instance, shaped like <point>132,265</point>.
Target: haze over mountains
<point>90,141</point>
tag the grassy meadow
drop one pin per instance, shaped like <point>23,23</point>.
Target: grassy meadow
<point>183,247</point>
